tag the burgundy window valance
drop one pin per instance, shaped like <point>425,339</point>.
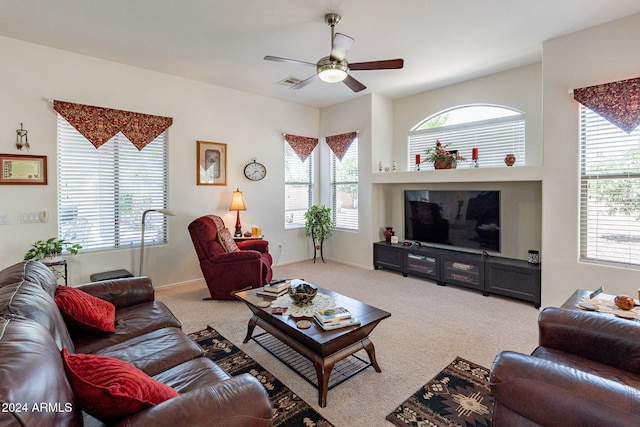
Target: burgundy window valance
<point>302,145</point>
<point>99,124</point>
<point>618,102</point>
<point>339,144</point>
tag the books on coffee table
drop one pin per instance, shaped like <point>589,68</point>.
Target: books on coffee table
<point>352,321</point>
<point>333,318</point>
<point>334,314</point>
<point>275,288</point>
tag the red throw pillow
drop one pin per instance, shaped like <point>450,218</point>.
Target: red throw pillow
<point>110,389</point>
<point>84,312</point>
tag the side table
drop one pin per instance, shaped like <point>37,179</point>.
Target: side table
<point>240,239</point>
<point>59,269</point>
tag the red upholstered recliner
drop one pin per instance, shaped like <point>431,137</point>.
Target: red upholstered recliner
<point>227,272</point>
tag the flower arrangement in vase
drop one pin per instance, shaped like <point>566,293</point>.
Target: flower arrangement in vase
<point>441,157</point>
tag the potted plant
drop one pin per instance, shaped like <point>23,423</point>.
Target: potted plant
<point>318,225</point>
<point>50,250</point>
<point>443,158</point>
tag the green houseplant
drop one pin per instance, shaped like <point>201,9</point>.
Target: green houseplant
<point>51,248</point>
<point>319,226</point>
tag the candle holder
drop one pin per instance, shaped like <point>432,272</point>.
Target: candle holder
<point>474,163</point>
<point>474,158</point>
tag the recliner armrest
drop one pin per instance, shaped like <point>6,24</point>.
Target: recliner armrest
<point>124,292</point>
<point>235,256</point>
<point>595,336</point>
<point>254,245</point>
<point>548,393</point>
<point>237,402</point>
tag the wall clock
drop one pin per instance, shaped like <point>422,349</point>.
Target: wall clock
<point>255,171</point>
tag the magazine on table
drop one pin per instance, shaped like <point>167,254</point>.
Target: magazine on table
<point>332,315</point>
<point>352,321</point>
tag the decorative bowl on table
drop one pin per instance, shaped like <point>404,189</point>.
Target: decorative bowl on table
<point>302,293</point>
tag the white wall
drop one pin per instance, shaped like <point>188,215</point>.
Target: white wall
<point>602,54</point>
<point>352,247</point>
<point>252,126</point>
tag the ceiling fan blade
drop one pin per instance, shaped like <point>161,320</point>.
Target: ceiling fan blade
<point>353,84</point>
<point>290,61</point>
<point>341,45</point>
<point>305,82</point>
<point>387,64</point>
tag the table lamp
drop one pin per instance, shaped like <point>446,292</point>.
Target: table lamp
<point>237,204</point>
<point>144,215</point>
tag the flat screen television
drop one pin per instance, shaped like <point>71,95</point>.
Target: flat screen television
<point>463,219</point>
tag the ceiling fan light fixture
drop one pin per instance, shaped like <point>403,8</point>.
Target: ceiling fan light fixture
<point>332,71</point>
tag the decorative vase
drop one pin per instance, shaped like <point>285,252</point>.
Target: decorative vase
<point>444,164</point>
<point>388,232</point>
<point>509,159</point>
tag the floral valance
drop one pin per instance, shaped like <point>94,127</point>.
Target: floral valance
<point>99,124</point>
<point>339,144</point>
<point>618,102</point>
<point>302,145</point>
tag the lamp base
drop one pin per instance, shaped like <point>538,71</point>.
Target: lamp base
<point>238,232</point>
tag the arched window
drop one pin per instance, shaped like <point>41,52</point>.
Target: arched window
<point>493,129</point>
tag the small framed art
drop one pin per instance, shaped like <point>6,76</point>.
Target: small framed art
<point>23,169</point>
<point>211,163</point>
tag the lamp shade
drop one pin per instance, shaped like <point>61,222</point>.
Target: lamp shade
<point>237,201</point>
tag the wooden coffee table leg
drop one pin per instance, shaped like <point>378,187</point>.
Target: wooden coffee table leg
<point>323,371</point>
<point>371,351</point>
<point>250,327</point>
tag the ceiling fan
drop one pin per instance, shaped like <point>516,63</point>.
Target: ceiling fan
<point>335,68</point>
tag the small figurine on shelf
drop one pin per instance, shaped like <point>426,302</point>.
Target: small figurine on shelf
<point>417,162</point>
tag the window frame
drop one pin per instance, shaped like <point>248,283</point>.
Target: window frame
<point>101,208</point>
<point>334,183</point>
<point>309,183</point>
<point>474,134</point>
<point>599,139</point>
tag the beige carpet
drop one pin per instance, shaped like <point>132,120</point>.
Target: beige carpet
<point>429,326</point>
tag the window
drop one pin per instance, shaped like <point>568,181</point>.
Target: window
<point>298,187</point>
<point>344,189</point>
<point>494,130</point>
<point>609,191</point>
<point>103,192</point>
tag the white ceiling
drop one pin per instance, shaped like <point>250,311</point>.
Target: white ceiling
<point>223,42</point>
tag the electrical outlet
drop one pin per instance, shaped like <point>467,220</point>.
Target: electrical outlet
<point>5,218</point>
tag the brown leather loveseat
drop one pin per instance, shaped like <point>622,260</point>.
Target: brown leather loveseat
<point>34,386</point>
<point>585,372</point>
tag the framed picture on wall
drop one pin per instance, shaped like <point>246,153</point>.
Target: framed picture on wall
<point>212,163</point>
<point>23,169</point>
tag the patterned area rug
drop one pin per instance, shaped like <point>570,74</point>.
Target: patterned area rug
<point>289,410</point>
<point>457,396</point>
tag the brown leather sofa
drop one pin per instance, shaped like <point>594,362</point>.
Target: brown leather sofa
<point>585,372</point>
<point>148,336</point>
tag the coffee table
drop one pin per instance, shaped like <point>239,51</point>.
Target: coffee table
<point>324,349</point>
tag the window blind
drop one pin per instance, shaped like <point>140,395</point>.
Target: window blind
<point>494,138</point>
<point>609,191</point>
<point>103,192</point>
<point>298,187</point>
<point>344,189</point>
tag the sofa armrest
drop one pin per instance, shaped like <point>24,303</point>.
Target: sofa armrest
<point>548,393</point>
<point>124,292</point>
<point>595,336</point>
<point>254,245</point>
<point>237,402</point>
